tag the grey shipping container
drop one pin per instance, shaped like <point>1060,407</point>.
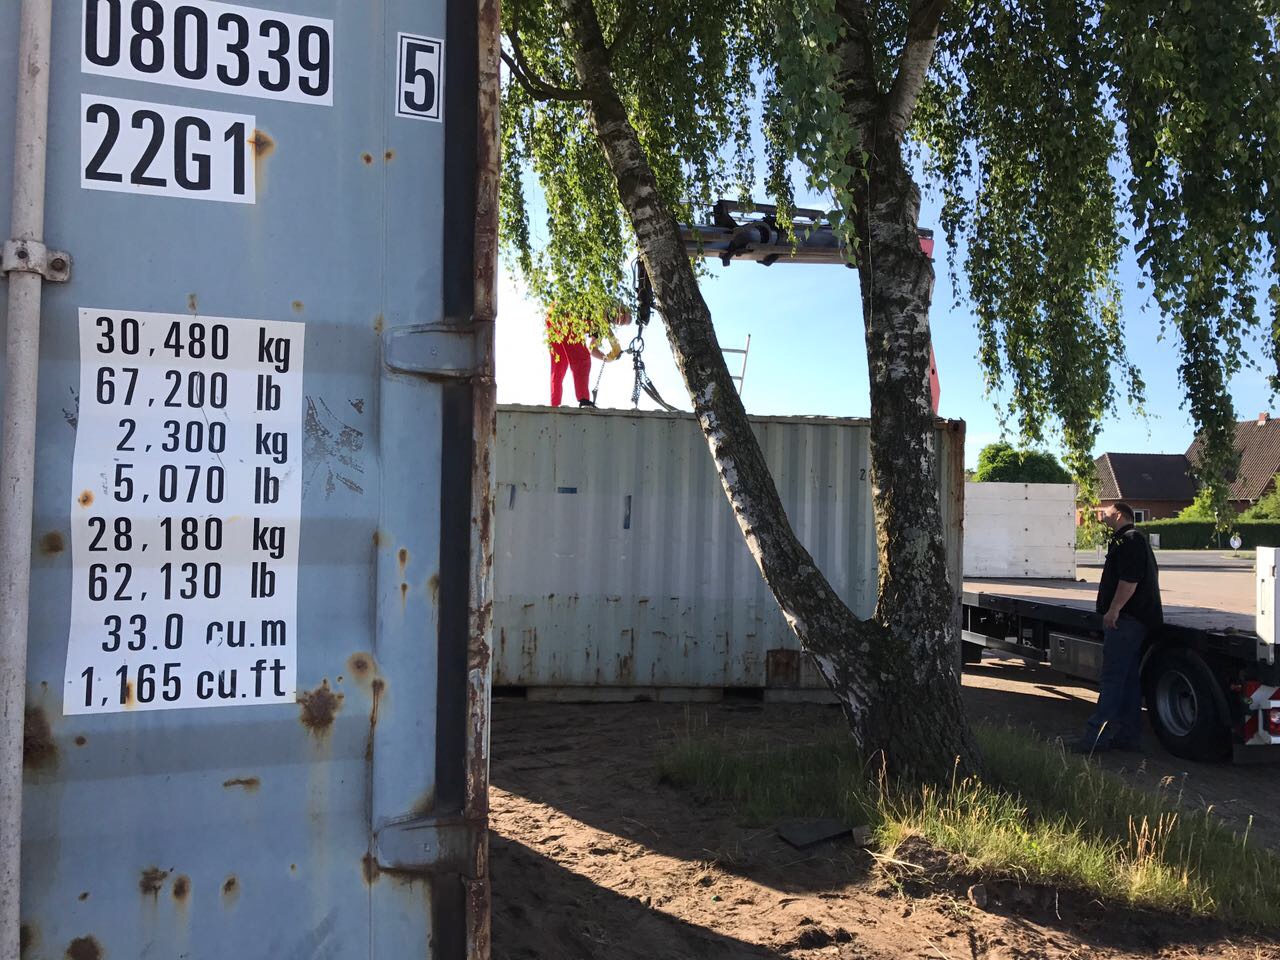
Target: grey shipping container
<point>245,512</point>
<point>619,566</point>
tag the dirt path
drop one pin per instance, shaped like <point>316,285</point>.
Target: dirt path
<point>593,859</point>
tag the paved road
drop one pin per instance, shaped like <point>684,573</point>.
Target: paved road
<point>1183,559</point>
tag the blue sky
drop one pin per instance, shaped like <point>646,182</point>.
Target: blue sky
<point>808,357</point>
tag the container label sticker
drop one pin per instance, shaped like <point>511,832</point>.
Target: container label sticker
<point>420,78</point>
<point>186,499</point>
<point>210,46</point>
<point>129,146</point>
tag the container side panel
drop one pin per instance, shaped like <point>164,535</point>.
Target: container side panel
<point>245,829</point>
<point>619,562</point>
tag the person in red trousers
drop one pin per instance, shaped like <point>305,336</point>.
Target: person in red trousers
<point>568,354</point>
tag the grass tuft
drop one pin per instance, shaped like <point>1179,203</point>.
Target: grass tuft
<point>1040,815</point>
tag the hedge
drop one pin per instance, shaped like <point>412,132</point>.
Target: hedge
<point>1200,535</point>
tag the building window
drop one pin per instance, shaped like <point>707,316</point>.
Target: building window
<point>1139,516</point>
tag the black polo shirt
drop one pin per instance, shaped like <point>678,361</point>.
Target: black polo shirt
<point>1129,557</point>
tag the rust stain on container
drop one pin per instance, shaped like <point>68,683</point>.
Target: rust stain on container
<point>319,707</point>
<point>151,881</point>
<point>362,667</point>
<point>39,749</point>
<point>182,888</point>
<point>52,543</point>
<point>83,897</point>
<point>782,668</point>
<point>404,594</point>
<point>298,306</point>
<point>377,539</point>
<point>369,869</point>
<point>376,687</point>
<point>388,156</point>
<point>85,499</point>
<point>230,891</point>
<point>84,948</point>
<point>433,587</point>
<point>367,158</point>
<point>193,303</point>
<point>263,145</point>
<point>250,784</point>
<point>379,324</point>
<point>27,937</point>
<point>81,740</point>
<point>403,557</point>
<point>129,701</point>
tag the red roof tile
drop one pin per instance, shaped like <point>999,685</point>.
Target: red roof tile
<point>1145,476</point>
<point>1258,442</point>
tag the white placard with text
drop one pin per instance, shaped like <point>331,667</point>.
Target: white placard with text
<point>185,513</point>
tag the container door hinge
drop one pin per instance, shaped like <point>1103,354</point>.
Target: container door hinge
<point>440,351</point>
<point>430,845</point>
<point>30,256</point>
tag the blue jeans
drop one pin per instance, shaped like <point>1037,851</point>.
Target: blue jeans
<point>1118,717</point>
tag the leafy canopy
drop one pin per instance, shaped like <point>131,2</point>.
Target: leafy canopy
<point>1202,507</point>
<point>684,72</point>
<point>1052,130</point>
<point>1049,124</point>
<point>1268,508</point>
<point>1003,463</point>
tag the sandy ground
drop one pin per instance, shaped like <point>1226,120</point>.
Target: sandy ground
<point>594,859</point>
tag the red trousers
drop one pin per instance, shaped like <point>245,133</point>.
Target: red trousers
<point>564,356</point>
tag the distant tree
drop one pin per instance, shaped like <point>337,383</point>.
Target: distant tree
<point>1003,463</point>
<point>1268,508</point>
<point>1201,507</point>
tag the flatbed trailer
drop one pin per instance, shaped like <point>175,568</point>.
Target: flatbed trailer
<point>1210,676</point>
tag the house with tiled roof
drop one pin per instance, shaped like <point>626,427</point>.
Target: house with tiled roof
<point>1160,485</point>
<point>1157,485</point>
<point>1258,443</point>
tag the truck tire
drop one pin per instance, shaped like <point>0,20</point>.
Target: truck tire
<point>1186,705</point>
<point>970,652</point>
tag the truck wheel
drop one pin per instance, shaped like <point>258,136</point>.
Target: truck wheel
<point>970,652</point>
<point>1186,705</point>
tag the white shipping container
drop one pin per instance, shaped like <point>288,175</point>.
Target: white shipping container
<point>618,562</point>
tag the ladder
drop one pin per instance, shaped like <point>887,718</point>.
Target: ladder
<point>745,351</point>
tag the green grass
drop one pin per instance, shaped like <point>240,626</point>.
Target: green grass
<point>1040,816</point>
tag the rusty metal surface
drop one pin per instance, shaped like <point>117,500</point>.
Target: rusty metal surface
<point>484,408</point>
<point>250,831</point>
<point>618,561</point>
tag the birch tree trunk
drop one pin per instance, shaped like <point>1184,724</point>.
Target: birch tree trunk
<point>894,674</point>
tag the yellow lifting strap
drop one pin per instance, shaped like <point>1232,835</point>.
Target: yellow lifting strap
<point>615,349</point>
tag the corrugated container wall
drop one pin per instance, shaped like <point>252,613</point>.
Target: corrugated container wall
<point>256,696</point>
<point>618,562</point>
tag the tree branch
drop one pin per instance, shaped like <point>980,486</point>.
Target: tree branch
<point>913,67</point>
<point>626,23</point>
<point>535,86</point>
<point>856,79</point>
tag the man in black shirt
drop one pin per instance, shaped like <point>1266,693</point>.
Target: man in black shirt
<point>1129,601</point>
